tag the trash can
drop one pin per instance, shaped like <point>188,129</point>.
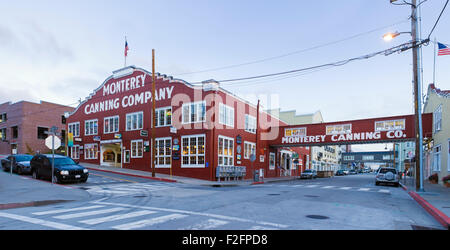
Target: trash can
<point>256,175</point>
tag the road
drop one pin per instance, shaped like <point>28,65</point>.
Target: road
<point>123,202</point>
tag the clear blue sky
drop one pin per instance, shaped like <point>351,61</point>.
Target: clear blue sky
<point>60,51</point>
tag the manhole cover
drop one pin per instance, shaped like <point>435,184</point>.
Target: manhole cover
<point>318,217</point>
<point>311,196</point>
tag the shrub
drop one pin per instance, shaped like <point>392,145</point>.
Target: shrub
<point>446,179</point>
<point>434,177</point>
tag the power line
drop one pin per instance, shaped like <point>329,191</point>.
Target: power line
<point>291,53</point>
<point>438,19</point>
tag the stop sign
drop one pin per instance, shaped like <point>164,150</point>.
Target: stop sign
<point>48,142</point>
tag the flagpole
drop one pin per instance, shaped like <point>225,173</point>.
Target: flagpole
<point>434,63</point>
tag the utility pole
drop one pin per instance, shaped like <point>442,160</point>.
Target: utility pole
<point>153,114</point>
<point>417,96</point>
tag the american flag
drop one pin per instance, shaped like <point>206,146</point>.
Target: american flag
<point>443,49</point>
<point>126,48</point>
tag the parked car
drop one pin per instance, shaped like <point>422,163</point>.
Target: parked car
<point>20,163</point>
<point>352,171</point>
<point>65,169</point>
<point>309,174</point>
<point>346,172</point>
<point>387,175</point>
<point>340,172</point>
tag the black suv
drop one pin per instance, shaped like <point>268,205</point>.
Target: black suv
<point>65,169</point>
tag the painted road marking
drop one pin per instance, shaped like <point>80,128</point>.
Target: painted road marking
<point>117,217</point>
<point>326,187</point>
<point>345,188</point>
<point>262,228</point>
<point>54,225</point>
<point>207,225</point>
<point>66,210</point>
<point>84,214</point>
<point>312,186</point>
<point>364,189</point>
<point>149,222</point>
<point>384,191</point>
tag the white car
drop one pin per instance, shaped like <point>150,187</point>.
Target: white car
<point>387,175</point>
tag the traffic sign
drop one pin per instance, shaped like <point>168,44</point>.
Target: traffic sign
<point>53,140</point>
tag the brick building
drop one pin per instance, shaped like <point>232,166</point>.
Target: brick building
<point>23,125</point>
<point>202,130</point>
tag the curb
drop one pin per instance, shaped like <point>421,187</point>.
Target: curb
<point>133,175</point>
<point>443,219</point>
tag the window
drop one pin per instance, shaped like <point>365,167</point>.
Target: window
<point>437,158</point>
<point>15,132</point>
<point>249,148</point>
<point>437,119</point>
<point>390,125</point>
<point>339,129</point>
<point>272,161</point>
<point>295,132</point>
<point>135,121</point>
<point>250,124</point>
<point>163,152</point>
<point>41,133</point>
<point>137,148</point>
<point>3,134</point>
<point>367,157</point>
<point>91,127</point>
<point>90,151</point>
<point>226,115</point>
<point>163,117</point>
<point>75,152</point>
<point>74,128</point>
<point>193,151</point>
<point>226,146</point>
<point>349,157</point>
<point>111,124</point>
<point>3,117</point>
<point>387,157</point>
<point>194,112</point>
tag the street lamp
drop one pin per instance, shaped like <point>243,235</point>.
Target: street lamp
<point>417,91</point>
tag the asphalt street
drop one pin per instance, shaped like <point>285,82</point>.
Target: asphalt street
<point>111,201</point>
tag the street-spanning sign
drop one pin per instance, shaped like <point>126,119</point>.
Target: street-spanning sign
<point>377,130</point>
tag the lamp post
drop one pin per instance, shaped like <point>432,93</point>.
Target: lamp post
<point>417,90</point>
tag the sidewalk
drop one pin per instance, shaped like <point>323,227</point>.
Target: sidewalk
<point>181,179</point>
<point>435,199</point>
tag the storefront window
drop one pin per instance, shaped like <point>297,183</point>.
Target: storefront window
<point>249,148</point>
<point>163,152</point>
<point>90,151</point>
<point>137,148</point>
<point>226,146</point>
<point>193,151</point>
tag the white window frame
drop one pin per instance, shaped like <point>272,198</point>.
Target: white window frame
<point>130,116</point>
<point>166,123</point>
<point>272,166</point>
<point>226,115</point>
<point>228,157</point>
<point>89,156</point>
<point>250,124</point>
<point>197,155</point>
<point>134,146</point>
<point>88,130</point>
<point>164,155</point>
<point>437,158</point>
<point>75,152</point>
<point>437,119</point>
<point>248,146</point>
<point>111,119</point>
<point>200,115</point>
<point>72,128</point>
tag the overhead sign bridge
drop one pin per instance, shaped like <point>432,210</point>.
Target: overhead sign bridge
<point>376,130</point>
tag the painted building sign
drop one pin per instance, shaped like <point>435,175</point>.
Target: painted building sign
<point>357,131</point>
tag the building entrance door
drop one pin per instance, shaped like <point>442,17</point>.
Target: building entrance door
<point>111,155</point>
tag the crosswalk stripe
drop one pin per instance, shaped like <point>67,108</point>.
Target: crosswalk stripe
<point>364,189</point>
<point>262,228</point>
<point>298,185</point>
<point>208,224</point>
<point>345,188</point>
<point>311,186</point>
<point>54,225</point>
<point>117,217</point>
<point>66,210</point>
<point>328,187</point>
<point>149,222</point>
<point>96,212</point>
<point>384,191</point>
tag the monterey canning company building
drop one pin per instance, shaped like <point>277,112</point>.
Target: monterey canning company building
<point>202,131</point>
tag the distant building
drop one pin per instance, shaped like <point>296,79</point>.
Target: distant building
<point>437,152</point>
<point>23,125</point>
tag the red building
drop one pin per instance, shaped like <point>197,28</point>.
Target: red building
<point>202,131</point>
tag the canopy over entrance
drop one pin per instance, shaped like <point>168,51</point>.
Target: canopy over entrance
<point>376,130</point>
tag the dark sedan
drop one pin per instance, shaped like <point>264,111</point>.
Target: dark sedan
<point>340,172</point>
<point>65,169</point>
<point>20,163</point>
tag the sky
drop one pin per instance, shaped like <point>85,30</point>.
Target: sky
<point>60,51</point>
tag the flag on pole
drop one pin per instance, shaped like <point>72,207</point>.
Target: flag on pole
<point>443,49</point>
<point>126,48</point>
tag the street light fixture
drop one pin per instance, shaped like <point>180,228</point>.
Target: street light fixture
<point>389,36</point>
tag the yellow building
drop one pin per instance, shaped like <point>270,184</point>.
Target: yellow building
<point>437,153</point>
